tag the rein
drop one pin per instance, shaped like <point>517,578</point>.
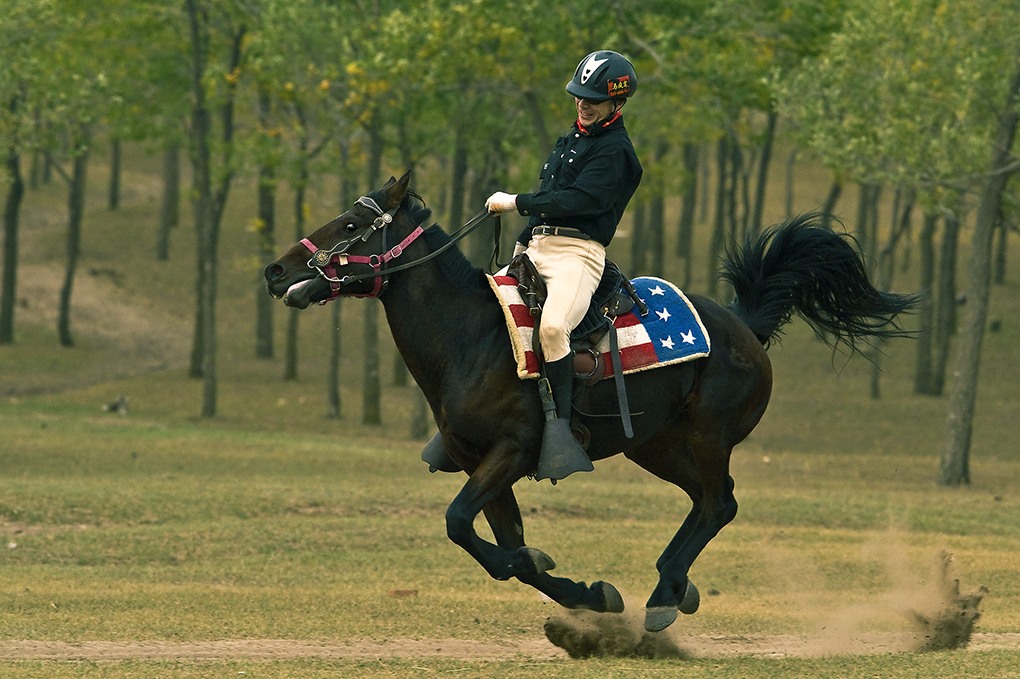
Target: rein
<point>325,261</point>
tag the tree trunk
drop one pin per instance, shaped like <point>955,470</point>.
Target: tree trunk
<point>458,176</point>
<point>12,208</point>
<point>903,208</point>
<point>791,163</point>
<point>945,303</point>
<point>737,187</point>
<point>544,139</point>
<point>1001,247</point>
<point>656,237</point>
<point>867,220</point>
<point>76,214</point>
<point>955,462</point>
<point>208,201</point>
<point>201,198</point>
<point>486,180</point>
<point>685,229</point>
<point>655,240</point>
<point>334,399</point>
<point>923,363</point>
<point>763,172</point>
<point>719,221</point>
<point>333,390</point>
<point>372,388</point>
<point>266,236</point>
<point>290,363</point>
<point>638,221</point>
<point>169,209</point>
<point>829,208</point>
<point>113,197</point>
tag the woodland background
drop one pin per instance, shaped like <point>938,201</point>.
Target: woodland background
<point>905,110</point>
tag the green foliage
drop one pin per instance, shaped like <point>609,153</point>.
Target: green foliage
<point>907,93</point>
<point>28,27</point>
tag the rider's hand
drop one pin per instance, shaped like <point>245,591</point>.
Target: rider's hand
<point>501,202</point>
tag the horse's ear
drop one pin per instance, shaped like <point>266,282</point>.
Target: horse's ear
<point>395,190</point>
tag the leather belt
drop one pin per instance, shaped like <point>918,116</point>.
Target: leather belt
<point>559,231</point>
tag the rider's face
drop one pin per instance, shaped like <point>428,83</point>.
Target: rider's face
<point>590,112</point>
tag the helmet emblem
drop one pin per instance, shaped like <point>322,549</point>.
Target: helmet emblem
<point>590,66</point>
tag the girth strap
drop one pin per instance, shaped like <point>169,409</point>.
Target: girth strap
<point>621,386</point>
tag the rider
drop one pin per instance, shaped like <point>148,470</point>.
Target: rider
<point>586,184</point>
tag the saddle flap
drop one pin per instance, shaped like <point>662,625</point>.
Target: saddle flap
<point>530,284</point>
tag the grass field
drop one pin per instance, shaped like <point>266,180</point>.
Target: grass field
<point>272,541</point>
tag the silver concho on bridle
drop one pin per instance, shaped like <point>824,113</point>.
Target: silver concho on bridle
<point>320,258</point>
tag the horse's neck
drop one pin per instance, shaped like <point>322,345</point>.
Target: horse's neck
<point>431,319</point>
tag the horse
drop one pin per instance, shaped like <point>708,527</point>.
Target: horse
<point>687,417</point>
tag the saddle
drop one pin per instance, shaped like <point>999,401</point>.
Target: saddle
<point>614,296</point>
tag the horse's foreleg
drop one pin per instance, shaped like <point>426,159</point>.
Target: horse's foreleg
<point>674,591</point>
<point>490,487</point>
<point>504,517</point>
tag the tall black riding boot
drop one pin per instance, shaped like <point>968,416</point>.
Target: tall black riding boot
<point>561,454</point>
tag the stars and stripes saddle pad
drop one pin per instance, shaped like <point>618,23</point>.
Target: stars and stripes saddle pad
<point>671,332</point>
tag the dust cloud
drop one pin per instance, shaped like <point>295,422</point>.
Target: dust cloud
<point>584,634</point>
<point>917,613</point>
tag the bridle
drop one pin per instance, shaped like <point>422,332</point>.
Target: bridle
<point>323,260</point>
<point>326,261</point>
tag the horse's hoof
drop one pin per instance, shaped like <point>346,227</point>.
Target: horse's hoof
<point>658,618</point>
<point>611,598</point>
<point>538,559</point>
<point>691,600</point>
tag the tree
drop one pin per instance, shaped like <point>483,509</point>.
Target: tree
<point>211,186</point>
<point>712,66</point>
<point>926,71</point>
<point>28,27</point>
<point>955,464</point>
<point>75,100</point>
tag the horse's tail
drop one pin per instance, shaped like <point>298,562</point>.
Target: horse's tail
<point>803,267</point>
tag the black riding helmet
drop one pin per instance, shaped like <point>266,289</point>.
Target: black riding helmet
<point>602,75</point>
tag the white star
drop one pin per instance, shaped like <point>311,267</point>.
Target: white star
<point>687,337</point>
<point>663,315</point>
<point>667,343</point>
<point>657,290</point>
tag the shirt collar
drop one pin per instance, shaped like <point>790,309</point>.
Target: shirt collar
<point>598,127</point>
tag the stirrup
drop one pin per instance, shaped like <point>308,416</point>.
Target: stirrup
<point>561,454</point>
<point>435,455</point>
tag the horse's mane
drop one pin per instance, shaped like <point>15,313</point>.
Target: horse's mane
<point>454,265</point>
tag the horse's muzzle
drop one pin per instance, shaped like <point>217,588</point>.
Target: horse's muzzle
<point>296,290</point>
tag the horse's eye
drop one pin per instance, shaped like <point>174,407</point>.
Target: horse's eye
<point>351,227</point>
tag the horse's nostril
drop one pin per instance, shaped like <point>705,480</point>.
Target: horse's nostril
<point>274,271</point>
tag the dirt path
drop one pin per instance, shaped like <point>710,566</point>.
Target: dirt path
<point>449,649</point>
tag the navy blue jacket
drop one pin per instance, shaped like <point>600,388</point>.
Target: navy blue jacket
<point>586,183</point>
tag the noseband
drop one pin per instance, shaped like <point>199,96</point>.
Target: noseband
<point>325,261</point>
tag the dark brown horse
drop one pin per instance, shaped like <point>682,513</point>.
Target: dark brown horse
<point>449,328</point>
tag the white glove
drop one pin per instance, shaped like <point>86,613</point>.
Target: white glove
<point>501,202</point>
